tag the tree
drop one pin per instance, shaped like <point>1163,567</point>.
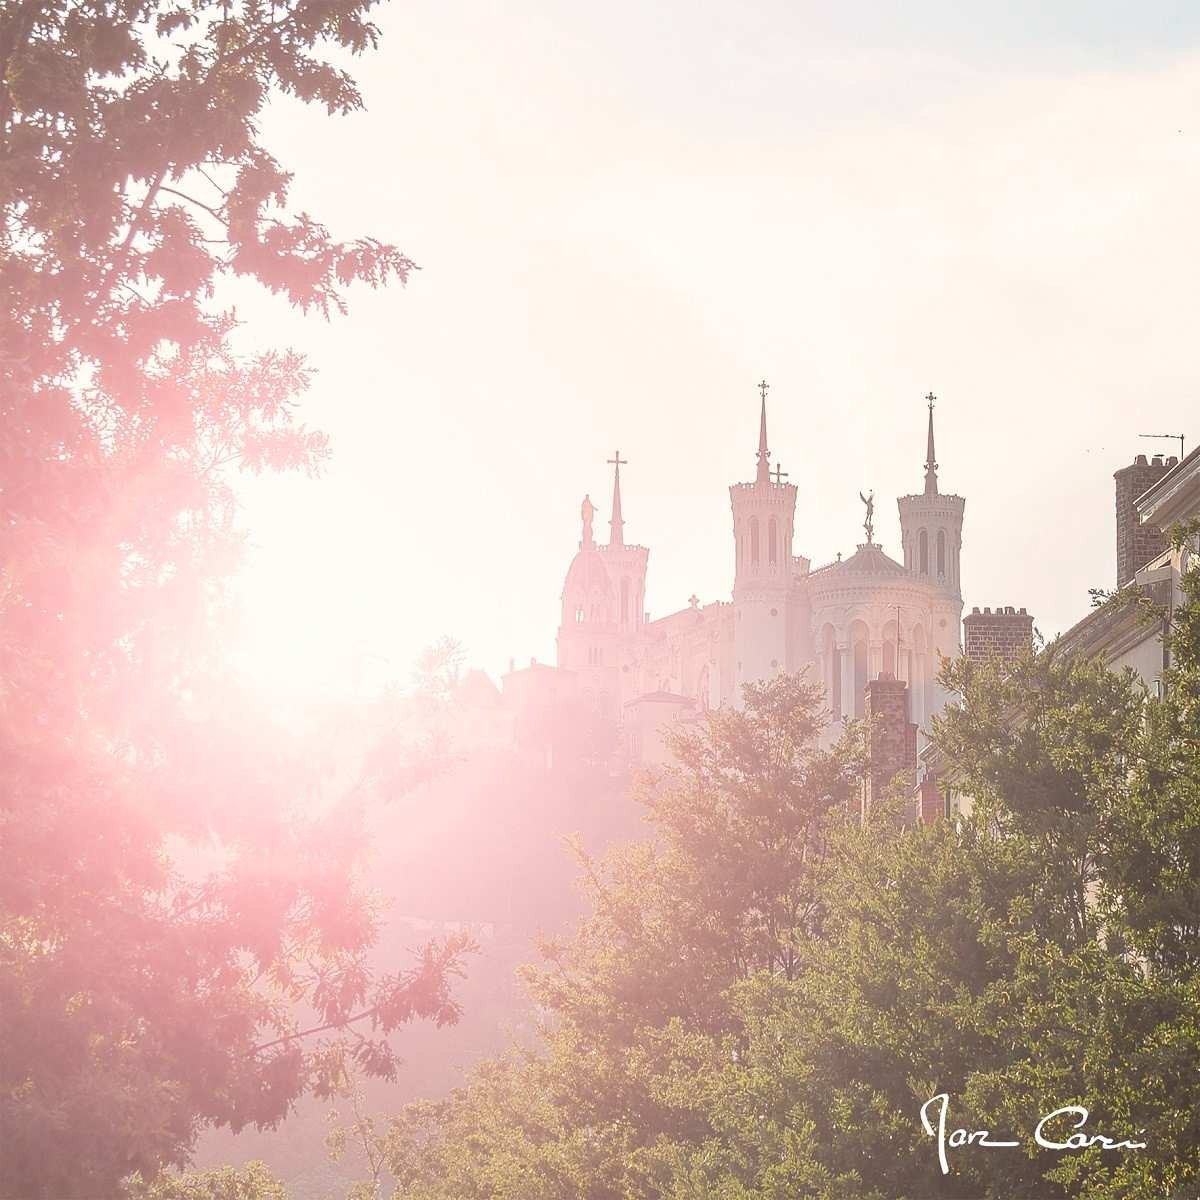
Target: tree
<point>179,901</point>
<point>721,892</point>
<point>252,1182</point>
<point>1038,951</point>
<point>1035,953</point>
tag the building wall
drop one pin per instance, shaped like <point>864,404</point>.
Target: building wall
<point>1137,542</point>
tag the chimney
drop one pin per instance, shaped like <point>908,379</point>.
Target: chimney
<point>931,804</point>
<point>893,746</point>
<point>1137,544</point>
<point>1004,633</point>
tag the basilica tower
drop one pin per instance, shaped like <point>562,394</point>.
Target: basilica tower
<point>603,604</point>
<point>626,564</point>
<point>763,517</point>
<point>931,525</point>
<point>931,532</point>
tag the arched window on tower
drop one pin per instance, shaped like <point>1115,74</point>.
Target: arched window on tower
<point>624,601</point>
<point>923,552</point>
<point>754,541</point>
<point>772,531</point>
<point>941,553</point>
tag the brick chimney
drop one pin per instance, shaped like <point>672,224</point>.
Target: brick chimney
<point>893,746</point>
<point>930,803</point>
<point>1004,633</point>
<point>1137,544</point>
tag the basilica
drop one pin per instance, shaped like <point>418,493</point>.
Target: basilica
<point>863,617</point>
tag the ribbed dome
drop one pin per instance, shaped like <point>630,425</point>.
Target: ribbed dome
<point>588,575</point>
<point>869,559</point>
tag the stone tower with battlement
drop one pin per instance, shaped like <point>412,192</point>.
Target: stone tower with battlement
<point>766,612</point>
<point>931,526</point>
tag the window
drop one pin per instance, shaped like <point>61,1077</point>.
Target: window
<point>860,676</point>
<point>754,541</point>
<point>923,543</point>
<point>941,553</point>
<point>624,600</point>
<point>771,535</point>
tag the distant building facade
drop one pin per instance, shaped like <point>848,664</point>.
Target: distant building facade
<point>856,619</point>
<point>1152,497</point>
<point>1169,496</point>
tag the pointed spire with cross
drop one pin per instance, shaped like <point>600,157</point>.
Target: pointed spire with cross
<point>616,525</point>
<point>931,488</point>
<point>764,455</point>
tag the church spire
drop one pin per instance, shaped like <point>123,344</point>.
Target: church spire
<point>764,455</point>
<point>616,525</point>
<point>931,488</point>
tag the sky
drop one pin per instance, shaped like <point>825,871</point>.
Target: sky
<point>626,216</point>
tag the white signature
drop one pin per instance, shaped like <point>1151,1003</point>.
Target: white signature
<point>958,1138</point>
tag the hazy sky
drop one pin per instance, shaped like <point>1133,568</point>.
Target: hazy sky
<point>626,215</point>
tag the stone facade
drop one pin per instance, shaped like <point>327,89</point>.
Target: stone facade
<point>1004,633</point>
<point>1137,541</point>
<point>854,620</point>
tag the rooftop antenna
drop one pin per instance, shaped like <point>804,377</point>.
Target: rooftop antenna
<point>1174,437</point>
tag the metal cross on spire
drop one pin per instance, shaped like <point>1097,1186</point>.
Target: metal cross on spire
<point>779,474</point>
<point>616,525</point>
<point>764,467</point>
<point>930,458</point>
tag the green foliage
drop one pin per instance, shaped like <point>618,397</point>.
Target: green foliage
<point>676,922</point>
<point>133,179</point>
<point>252,1182</point>
<point>765,996</point>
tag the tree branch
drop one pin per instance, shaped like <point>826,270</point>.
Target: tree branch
<point>291,1037</point>
<point>216,212</point>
